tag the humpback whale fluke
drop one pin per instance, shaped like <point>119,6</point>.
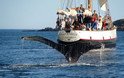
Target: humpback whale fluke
<point>71,51</point>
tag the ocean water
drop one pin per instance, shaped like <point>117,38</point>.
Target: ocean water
<point>30,59</point>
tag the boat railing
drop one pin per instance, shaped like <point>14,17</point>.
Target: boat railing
<point>85,29</point>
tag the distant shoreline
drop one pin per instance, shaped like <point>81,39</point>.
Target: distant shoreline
<point>118,23</point>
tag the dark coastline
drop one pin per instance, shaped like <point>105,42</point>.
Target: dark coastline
<point>119,24</point>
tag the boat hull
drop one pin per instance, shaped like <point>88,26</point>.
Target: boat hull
<point>96,39</point>
<point>94,44</point>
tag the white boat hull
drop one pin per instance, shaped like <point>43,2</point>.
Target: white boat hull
<point>76,35</point>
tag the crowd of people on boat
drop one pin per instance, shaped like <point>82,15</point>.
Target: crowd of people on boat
<point>84,19</point>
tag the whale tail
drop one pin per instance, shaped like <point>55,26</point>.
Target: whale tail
<point>42,40</point>
<point>72,52</point>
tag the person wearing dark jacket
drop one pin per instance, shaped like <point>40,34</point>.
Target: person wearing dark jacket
<point>68,24</point>
<point>87,20</point>
<point>76,24</point>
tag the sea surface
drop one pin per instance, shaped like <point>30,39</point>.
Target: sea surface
<point>30,59</point>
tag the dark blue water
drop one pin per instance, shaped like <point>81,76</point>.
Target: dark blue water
<point>30,59</point>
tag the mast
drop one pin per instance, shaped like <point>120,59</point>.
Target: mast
<point>69,3</point>
<point>89,5</point>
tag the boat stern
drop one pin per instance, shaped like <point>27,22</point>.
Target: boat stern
<point>68,36</point>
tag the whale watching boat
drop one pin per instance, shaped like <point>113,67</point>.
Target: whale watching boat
<point>78,21</point>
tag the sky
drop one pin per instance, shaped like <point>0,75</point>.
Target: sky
<point>38,14</point>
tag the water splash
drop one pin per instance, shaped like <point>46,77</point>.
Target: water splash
<point>98,57</point>
<point>101,53</point>
<point>17,66</point>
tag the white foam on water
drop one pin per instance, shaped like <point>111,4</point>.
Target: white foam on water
<point>2,70</point>
<point>76,64</point>
<point>50,65</point>
<point>105,49</point>
<point>69,64</point>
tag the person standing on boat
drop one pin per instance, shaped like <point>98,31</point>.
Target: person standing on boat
<point>99,26</point>
<point>94,20</point>
<point>78,14</point>
<point>104,24</point>
<point>81,8</point>
<point>87,21</point>
<point>62,24</point>
<point>58,23</point>
<point>72,21</point>
<point>109,22</point>
<point>95,15</point>
<point>81,11</point>
<point>67,24</point>
<point>76,24</point>
<point>94,23</point>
